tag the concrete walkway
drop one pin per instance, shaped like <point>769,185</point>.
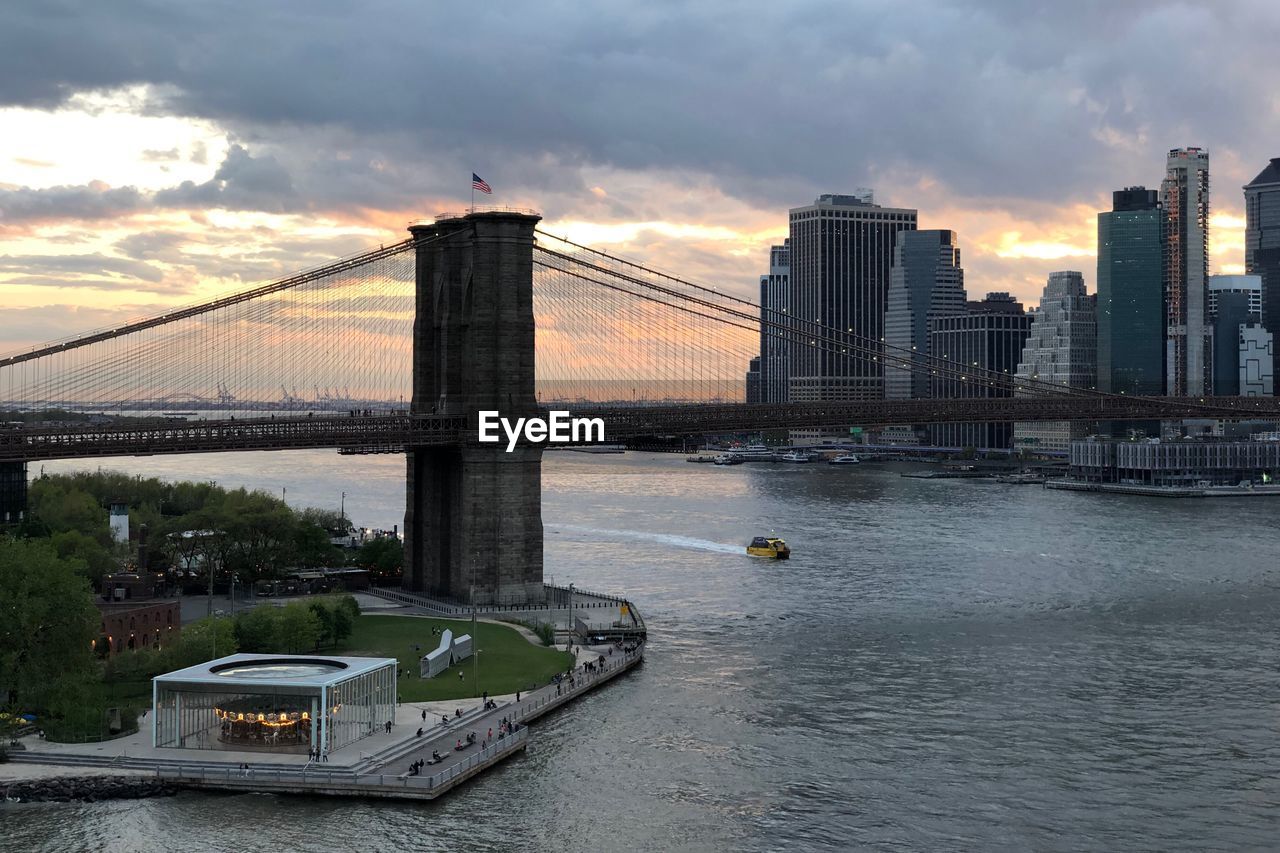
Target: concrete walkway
<point>377,765</point>
<point>531,705</point>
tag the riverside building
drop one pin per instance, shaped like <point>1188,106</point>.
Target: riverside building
<point>1235,303</point>
<point>1130,298</point>
<point>1061,349</point>
<point>987,337</point>
<point>840,266</point>
<point>1262,244</point>
<point>1180,463</point>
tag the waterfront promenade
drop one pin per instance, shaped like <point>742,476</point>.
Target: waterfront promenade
<point>377,766</point>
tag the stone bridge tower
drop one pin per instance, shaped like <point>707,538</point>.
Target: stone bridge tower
<point>473,512</point>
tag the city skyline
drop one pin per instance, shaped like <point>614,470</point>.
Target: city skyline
<point>198,182</point>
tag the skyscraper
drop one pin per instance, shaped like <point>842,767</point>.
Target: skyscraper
<point>1061,349</point>
<point>1256,349</point>
<point>988,336</point>
<point>1262,244</point>
<point>1131,313</point>
<point>1184,194</point>
<point>1235,301</point>
<point>753,381</point>
<point>775,300</point>
<point>926,281</point>
<point>841,256</point>
<point>1249,285</point>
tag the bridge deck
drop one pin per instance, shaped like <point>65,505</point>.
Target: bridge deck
<point>396,432</point>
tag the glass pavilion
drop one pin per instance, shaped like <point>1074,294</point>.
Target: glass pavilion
<point>273,703</point>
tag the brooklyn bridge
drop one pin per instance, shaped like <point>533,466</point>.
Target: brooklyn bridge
<point>397,349</point>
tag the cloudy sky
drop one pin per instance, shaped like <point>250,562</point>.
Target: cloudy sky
<point>154,153</point>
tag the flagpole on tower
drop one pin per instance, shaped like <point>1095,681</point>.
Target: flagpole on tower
<point>477,183</point>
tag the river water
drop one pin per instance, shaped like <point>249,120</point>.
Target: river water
<point>943,664</point>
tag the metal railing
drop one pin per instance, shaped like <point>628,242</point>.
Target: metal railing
<point>448,606</point>
<point>479,208</point>
<point>308,777</point>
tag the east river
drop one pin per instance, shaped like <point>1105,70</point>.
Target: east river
<point>942,665</point>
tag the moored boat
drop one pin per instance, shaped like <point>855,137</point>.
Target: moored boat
<point>1023,479</point>
<point>794,456</point>
<point>753,453</point>
<point>845,459</point>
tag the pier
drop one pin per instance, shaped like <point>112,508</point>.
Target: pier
<point>354,772</point>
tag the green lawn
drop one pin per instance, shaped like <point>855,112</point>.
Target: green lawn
<point>508,662</point>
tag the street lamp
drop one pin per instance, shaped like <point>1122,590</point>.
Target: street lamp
<point>571,618</point>
<point>475,637</point>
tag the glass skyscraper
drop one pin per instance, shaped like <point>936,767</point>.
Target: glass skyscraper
<point>841,257</point>
<point>1262,245</point>
<point>1131,311</point>
<point>926,281</point>
<point>775,299</point>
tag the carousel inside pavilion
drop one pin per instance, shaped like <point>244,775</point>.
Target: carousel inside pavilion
<point>273,703</point>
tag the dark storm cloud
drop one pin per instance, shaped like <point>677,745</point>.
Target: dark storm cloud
<point>94,201</point>
<point>153,245</point>
<point>63,269</point>
<point>242,182</point>
<point>376,104</point>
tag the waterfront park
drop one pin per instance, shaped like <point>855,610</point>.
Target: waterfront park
<point>317,656</point>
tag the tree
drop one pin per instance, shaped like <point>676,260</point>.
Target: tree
<point>311,546</point>
<point>258,630</point>
<point>299,628</point>
<point>91,557</point>
<point>324,616</point>
<point>343,623</point>
<point>350,605</point>
<point>47,623</point>
<point>332,523</point>
<point>62,506</point>
<point>200,641</point>
<point>382,557</point>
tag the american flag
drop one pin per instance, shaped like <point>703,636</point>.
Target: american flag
<point>477,183</point>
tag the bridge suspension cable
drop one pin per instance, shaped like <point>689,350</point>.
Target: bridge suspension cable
<point>742,313</point>
<point>334,337</point>
<point>643,282</point>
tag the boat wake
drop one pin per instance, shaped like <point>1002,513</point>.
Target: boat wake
<point>664,538</point>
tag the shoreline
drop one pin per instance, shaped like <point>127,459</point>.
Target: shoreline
<point>1165,491</point>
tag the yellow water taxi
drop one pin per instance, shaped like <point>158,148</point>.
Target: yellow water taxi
<point>769,546</point>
